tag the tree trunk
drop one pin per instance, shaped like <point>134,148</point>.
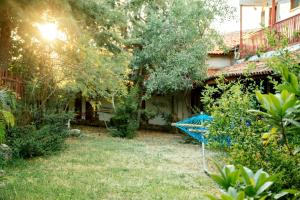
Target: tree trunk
<point>5,37</point>
<point>140,83</point>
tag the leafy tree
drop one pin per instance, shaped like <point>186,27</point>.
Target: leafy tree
<point>170,41</point>
<point>92,61</point>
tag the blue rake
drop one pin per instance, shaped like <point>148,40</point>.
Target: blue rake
<point>197,128</point>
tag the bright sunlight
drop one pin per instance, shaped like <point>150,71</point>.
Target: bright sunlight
<point>50,32</point>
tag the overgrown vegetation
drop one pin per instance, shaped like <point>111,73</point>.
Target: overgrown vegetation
<point>264,128</point>
<point>124,122</point>
<point>38,139</point>
<point>7,107</point>
<point>128,51</point>
<point>240,183</point>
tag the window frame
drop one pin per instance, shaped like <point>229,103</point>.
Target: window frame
<point>293,4</point>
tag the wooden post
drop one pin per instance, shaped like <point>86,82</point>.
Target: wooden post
<point>273,13</point>
<point>241,30</point>
<point>83,109</point>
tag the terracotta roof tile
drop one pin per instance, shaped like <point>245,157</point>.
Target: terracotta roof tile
<point>253,68</point>
<point>212,71</point>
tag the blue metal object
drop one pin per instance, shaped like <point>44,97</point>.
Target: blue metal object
<point>195,126</point>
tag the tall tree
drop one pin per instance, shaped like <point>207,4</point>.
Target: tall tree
<point>5,34</point>
<point>171,40</point>
<point>92,59</point>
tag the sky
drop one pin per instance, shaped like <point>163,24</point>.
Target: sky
<point>233,25</point>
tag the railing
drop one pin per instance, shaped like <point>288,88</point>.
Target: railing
<point>258,41</point>
<point>11,81</point>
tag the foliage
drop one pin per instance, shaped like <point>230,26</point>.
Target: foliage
<point>229,103</point>
<point>29,142</point>
<point>91,60</point>
<point>281,111</point>
<point>60,120</point>
<point>231,117</point>
<point>7,105</point>
<point>290,81</point>
<point>173,42</point>
<point>5,155</point>
<point>42,138</point>
<point>239,183</point>
<point>2,178</point>
<point>124,123</point>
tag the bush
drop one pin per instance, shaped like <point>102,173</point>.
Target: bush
<point>230,113</point>
<point>2,178</point>
<point>232,118</point>
<point>5,154</point>
<point>28,142</point>
<point>45,138</point>
<point>124,122</point>
<point>239,183</point>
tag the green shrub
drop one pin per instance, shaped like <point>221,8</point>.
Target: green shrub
<point>124,122</point>
<point>2,178</point>
<point>230,112</point>
<point>5,154</point>
<point>232,117</point>
<point>240,183</point>
<point>7,105</point>
<point>59,120</point>
<point>28,142</point>
<point>42,139</point>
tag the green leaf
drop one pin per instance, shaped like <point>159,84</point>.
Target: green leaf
<point>211,197</point>
<point>264,187</point>
<point>275,103</point>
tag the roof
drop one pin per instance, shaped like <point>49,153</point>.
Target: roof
<point>252,68</point>
<point>231,40</point>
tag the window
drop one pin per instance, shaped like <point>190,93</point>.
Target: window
<point>295,4</point>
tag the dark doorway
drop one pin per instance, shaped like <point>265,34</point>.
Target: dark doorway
<point>90,114</point>
<point>78,111</point>
<point>195,100</point>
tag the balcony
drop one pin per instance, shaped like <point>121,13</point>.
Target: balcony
<point>288,29</point>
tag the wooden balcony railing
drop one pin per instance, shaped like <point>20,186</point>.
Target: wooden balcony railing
<point>11,81</point>
<point>258,41</point>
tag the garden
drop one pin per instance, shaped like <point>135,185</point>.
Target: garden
<point>125,53</point>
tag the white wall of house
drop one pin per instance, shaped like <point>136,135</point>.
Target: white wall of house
<point>161,103</point>
<point>173,104</point>
<point>284,10</point>
<point>178,106</point>
<point>218,61</point>
<point>253,17</point>
<point>181,102</point>
<point>106,111</point>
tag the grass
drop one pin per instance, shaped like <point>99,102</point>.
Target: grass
<point>152,166</point>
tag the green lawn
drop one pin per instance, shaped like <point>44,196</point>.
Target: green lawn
<point>152,166</point>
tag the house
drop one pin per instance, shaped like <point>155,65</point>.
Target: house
<point>282,17</point>
<point>279,17</point>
